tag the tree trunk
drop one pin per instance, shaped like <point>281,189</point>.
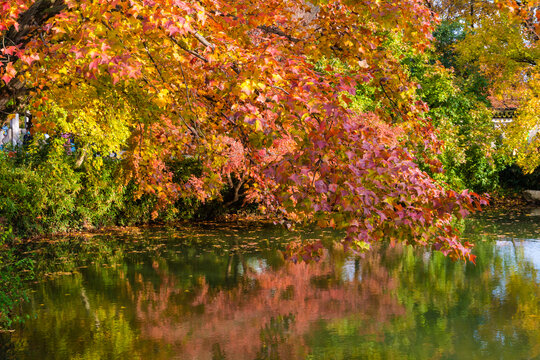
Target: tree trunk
<point>30,22</point>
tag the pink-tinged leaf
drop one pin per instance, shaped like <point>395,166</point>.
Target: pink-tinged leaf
<point>173,30</point>
<point>183,5</point>
<point>29,59</point>
<point>105,47</point>
<point>58,30</point>
<point>78,53</point>
<point>9,73</point>
<point>297,180</point>
<point>463,212</point>
<point>321,187</point>
<point>320,144</point>
<point>133,72</point>
<point>10,50</point>
<point>94,64</point>
<point>6,79</point>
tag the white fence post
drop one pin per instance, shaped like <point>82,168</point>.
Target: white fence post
<point>15,130</point>
<point>12,133</point>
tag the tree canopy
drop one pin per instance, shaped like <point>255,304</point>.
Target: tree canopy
<point>262,95</point>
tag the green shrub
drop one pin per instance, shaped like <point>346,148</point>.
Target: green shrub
<point>37,198</point>
<point>102,195</point>
<point>42,190</point>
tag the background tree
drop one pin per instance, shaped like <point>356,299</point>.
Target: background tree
<point>458,96</point>
<point>504,46</point>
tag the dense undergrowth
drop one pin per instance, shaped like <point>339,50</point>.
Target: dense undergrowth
<point>43,191</point>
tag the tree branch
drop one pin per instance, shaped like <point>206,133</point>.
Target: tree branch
<point>183,47</point>
<point>203,41</point>
<point>276,31</point>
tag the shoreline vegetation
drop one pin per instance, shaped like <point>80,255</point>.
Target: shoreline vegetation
<point>43,193</point>
<point>512,200</point>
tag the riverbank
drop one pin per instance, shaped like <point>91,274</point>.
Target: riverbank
<point>509,200</point>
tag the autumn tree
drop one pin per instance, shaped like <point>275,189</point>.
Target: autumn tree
<point>504,46</point>
<point>238,87</point>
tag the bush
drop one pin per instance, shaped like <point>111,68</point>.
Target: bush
<point>42,190</point>
<point>38,198</point>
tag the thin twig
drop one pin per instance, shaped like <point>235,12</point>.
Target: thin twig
<point>153,61</point>
<point>280,88</point>
<point>187,87</point>
<point>183,47</point>
<point>276,31</point>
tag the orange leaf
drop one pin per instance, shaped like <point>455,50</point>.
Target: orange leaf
<point>9,73</point>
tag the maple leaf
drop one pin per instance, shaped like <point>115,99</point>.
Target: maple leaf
<point>9,73</point>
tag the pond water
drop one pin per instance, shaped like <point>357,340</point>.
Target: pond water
<point>227,293</point>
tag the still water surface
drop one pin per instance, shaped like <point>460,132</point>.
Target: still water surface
<point>227,293</point>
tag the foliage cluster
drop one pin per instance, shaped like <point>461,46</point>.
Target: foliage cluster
<point>42,190</point>
<point>460,110</point>
<point>501,43</point>
<point>492,47</point>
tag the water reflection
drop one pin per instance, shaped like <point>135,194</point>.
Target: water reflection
<point>266,315</point>
<point>216,294</point>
